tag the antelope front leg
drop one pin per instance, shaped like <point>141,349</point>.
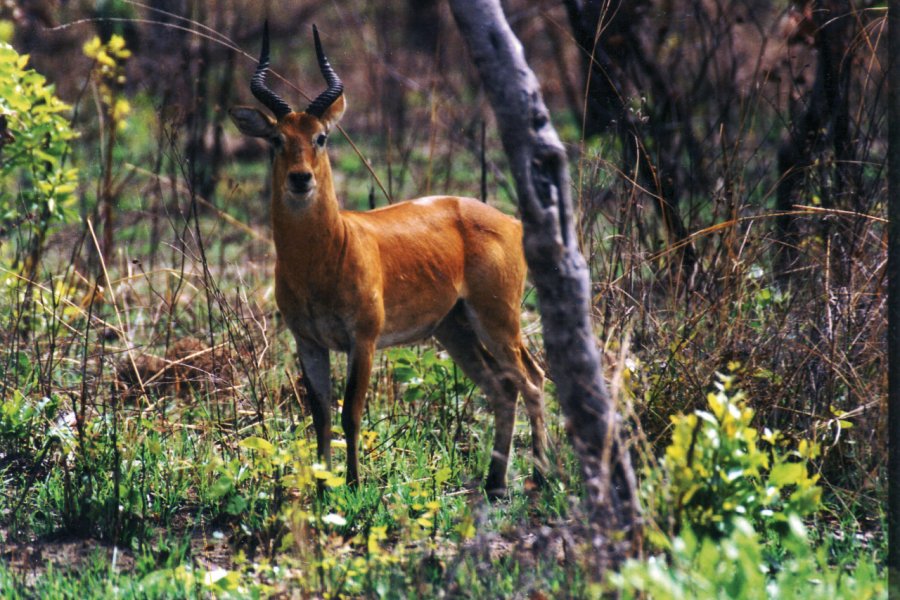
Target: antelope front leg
<point>316,365</point>
<point>359,367</point>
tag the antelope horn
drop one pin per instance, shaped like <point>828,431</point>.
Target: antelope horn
<point>318,106</point>
<point>270,99</point>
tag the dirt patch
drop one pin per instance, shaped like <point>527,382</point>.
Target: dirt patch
<point>210,549</point>
<point>188,365</point>
<point>30,560</point>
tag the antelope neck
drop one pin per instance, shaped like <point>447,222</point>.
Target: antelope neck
<point>312,234</point>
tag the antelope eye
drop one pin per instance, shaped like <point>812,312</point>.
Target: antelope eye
<point>321,139</point>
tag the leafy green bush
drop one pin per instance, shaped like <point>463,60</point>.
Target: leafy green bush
<point>36,187</point>
<point>22,422</point>
<point>715,471</point>
<point>734,509</point>
<point>736,567</point>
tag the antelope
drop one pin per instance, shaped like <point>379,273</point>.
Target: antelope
<point>442,266</point>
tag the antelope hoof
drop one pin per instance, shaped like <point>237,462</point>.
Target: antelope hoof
<point>495,488</point>
<point>495,494</point>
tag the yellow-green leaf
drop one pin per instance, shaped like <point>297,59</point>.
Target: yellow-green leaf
<point>258,444</point>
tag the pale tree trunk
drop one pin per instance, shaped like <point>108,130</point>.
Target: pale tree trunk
<point>559,272</point>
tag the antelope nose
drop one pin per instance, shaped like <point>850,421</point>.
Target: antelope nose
<point>300,182</point>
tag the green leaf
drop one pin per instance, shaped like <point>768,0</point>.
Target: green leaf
<point>442,475</point>
<point>784,474</point>
<point>222,486</point>
<point>236,505</point>
<point>404,374</point>
<point>258,444</point>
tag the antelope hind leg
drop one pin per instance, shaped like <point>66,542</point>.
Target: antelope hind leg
<point>456,335</point>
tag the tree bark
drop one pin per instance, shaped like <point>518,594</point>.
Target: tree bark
<point>825,120</point>
<point>539,165</point>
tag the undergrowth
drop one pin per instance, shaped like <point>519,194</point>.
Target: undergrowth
<point>154,439</point>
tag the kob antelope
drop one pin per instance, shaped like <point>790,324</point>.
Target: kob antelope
<point>441,266</point>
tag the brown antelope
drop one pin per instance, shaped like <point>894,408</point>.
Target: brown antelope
<point>441,266</point>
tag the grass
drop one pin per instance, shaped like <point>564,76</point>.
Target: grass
<point>219,454</point>
<point>204,486</point>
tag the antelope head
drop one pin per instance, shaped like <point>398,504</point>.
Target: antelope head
<point>301,171</point>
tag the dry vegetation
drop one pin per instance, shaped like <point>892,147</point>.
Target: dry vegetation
<point>141,348</point>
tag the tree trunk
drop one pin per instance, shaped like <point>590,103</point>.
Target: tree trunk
<point>605,35</point>
<point>825,120</point>
<point>559,271</point>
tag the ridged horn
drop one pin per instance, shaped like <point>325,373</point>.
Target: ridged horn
<point>318,106</point>
<point>270,99</point>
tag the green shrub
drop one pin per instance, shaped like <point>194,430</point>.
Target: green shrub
<point>736,567</point>
<point>23,422</point>
<point>734,501</point>
<point>717,470</point>
<point>36,187</point>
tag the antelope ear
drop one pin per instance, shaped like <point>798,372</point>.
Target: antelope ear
<point>253,122</point>
<point>334,112</point>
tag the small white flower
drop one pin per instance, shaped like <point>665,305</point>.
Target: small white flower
<point>211,577</point>
<point>334,519</point>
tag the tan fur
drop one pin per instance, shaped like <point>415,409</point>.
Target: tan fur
<point>354,281</point>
